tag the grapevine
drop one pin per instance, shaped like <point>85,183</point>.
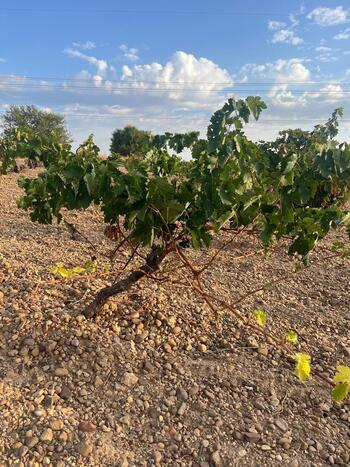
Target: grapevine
<point>290,191</point>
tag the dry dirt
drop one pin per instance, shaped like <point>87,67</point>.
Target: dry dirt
<point>158,379</point>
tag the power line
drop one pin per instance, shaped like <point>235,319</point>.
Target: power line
<point>104,90</point>
<point>218,83</point>
<point>194,117</point>
<point>148,12</point>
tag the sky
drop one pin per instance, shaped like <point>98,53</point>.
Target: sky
<point>166,66</point>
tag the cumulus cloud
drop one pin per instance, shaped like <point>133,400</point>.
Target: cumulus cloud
<point>275,25</point>
<point>184,78</point>
<point>287,36</point>
<point>343,35</point>
<point>88,45</point>
<point>324,16</point>
<point>283,33</point>
<point>129,53</point>
<point>101,65</point>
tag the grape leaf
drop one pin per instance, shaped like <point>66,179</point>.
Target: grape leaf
<point>260,317</point>
<point>340,392</point>
<point>302,366</point>
<point>292,337</point>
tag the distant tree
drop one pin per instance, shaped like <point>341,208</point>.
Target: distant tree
<point>130,141</point>
<point>29,117</point>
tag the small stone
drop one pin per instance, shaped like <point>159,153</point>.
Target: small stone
<point>263,350</point>
<point>56,425</point>
<point>75,342</point>
<point>215,458</point>
<point>157,456</point>
<point>205,443</point>
<point>202,348</point>
<point>129,379</point>
<point>281,424</point>
<point>87,427</point>
<point>84,448</point>
<point>65,393</point>
<point>31,441</point>
<point>265,447</point>
<point>252,437</point>
<point>294,463</point>
<point>61,372</point>
<point>47,435</point>
<point>285,442</point>
<point>98,381</point>
<point>182,409</point>
<point>22,451</point>
<point>181,394</point>
<point>126,420</point>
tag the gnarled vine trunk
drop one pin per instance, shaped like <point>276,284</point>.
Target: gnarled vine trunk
<point>153,261</point>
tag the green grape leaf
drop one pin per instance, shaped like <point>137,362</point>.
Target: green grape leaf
<point>302,366</point>
<point>342,375</point>
<point>260,317</point>
<point>340,392</point>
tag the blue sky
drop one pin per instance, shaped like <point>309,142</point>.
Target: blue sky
<point>167,67</point>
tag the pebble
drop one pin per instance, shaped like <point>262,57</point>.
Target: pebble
<point>31,441</point>
<point>252,437</point>
<point>56,425</point>
<point>157,456</point>
<point>215,458</point>
<point>129,379</point>
<point>84,448</point>
<point>98,381</point>
<point>182,409</point>
<point>61,371</point>
<point>47,435</point>
<point>281,424</point>
<point>181,394</point>
<point>65,393</point>
<point>87,427</point>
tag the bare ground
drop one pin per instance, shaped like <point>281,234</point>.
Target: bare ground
<point>158,379</point>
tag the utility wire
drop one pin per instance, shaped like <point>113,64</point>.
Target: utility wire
<point>104,90</point>
<point>142,12</point>
<point>218,83</point>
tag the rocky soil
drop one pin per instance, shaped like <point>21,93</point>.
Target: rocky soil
<point>159,379</point>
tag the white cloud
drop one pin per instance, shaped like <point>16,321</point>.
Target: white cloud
<point>184,79</point>
<point>2,60</point>
<point>88,45</point>
<point>343,35</point>
<point>101,65</point>
<point>332,93</point>
<point>282,70</point>
<point>275,25</point>
<point>130,53</point>
<point>322,48</point>
<point>326,58</point>
<point>324,16</point>
<point>287,36</point>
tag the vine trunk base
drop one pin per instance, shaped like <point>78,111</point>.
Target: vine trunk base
<point>153,261</point>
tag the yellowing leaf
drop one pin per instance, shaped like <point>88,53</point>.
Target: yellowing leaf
<point>292,337</point>
<point>342,375</point>
<point>65,273</point>
<point>340,392</point>
<point>302,367</point>
<point>260,317</point>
